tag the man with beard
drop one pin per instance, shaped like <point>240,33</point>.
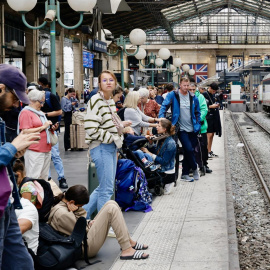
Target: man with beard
<point>13,253</point>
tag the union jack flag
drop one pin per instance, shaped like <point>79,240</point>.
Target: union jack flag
<point>201,71</point>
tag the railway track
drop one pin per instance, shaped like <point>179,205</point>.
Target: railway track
<point>249,152</point>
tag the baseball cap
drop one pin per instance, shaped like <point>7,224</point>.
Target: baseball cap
<point>14,79</point>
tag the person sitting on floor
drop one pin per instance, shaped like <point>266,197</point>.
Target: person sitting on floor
<point>64,215</point>
<point>164,150</point>
<point>28,223</point>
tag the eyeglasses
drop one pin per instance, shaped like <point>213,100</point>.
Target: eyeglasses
<point>106,80</point>
<point>14,93</point>
<point>41,102</point>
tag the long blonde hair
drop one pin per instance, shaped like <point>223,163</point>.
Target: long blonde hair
<point>132,99</point>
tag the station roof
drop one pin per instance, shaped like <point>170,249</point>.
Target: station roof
<point>183,21</point>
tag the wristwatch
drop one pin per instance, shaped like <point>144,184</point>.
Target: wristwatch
<point>46,114</point>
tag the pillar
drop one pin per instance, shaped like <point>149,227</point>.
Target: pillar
<point>78,67</point>
<point>2,33</point>
<point>59,52</point>
<point>31,56</point>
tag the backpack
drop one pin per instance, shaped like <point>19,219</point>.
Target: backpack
<point>55,251</point>
<point>121,113</point>
<point>48,101</point>
<point>131,187</point>
<point>48,200</point>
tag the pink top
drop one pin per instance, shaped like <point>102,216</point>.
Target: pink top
<point>29,120</point>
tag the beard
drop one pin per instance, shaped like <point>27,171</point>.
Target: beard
<point>6,102</point>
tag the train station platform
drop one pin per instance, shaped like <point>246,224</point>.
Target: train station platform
<point>186,230</point>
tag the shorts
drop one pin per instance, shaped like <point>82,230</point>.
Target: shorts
<point>211,125</point>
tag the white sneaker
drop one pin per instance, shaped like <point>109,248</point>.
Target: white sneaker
<point>168,188</point>
<point>111,233</point>
<point>196,174</point>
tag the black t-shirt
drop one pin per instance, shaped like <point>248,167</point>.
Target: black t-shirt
<point>211,100</point>
<point>56,106</point>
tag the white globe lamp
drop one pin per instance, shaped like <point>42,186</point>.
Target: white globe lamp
<point>141,54</point>
<point>22,5</point>
<point>191,72</point>
<point>137,37</point>
<point>186,68</point>
<point>172,68</point>
<point>159,62</point>
<point>103,36</point>
<point>164,53</point>
<point>82,5</point>
<point>13,44</point>
<point>177,62</point>
<point>152,61</point>
<point>45,51</point>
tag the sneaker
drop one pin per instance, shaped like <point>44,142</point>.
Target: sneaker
<point>208,170</point>
<point>196,174</point>
<point>111,233</point>
<point>187,178</point>
<point>212,154</point>
<point>63,183</point>
<point>148,164</point>
<point>154,167</point>
<point>168,188</point>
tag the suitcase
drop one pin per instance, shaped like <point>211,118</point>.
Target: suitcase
<point>77,137</point>
<point>93,182</point>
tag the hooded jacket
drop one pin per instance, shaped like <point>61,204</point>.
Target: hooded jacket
<point>204,111</point>
<point>173,100</point>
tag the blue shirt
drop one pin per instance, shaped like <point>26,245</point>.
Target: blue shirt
<point>66,104</point>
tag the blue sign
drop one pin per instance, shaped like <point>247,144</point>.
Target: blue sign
<point>99,46</point>
<point>88,59</point>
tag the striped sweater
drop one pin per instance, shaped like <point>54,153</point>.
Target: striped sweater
<point>98,123</point>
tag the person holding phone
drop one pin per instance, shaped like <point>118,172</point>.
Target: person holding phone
<point>68,103</point>
<point>32,119</point>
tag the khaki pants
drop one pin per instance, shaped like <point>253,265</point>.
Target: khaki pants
<point>109,215</point>
<point>37,164</point>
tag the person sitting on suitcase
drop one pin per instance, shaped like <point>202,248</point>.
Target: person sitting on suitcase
<point>64,215</point>
<point>162,153</point>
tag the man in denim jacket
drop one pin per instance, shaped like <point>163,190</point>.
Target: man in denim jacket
<point>13,253</point>
<point>186,115</point>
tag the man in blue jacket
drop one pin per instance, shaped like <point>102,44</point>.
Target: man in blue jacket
<point>186,114</point>
<point>13,253</point>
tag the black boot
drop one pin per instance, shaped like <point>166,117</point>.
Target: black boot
<point>207,170</point>
<point>63,183</point>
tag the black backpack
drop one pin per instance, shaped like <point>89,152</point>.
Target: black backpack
<point>48,200</point>
<point>121,113</point>
<point>57,252</point>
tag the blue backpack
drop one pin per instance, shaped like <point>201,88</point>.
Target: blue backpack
<point>131,187</point>
<point>48,101</point>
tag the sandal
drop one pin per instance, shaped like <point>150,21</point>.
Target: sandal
<point>139,246</point>
<point>138,255</point>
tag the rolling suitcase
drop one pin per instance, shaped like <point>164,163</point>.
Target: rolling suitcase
<point>77,137</point>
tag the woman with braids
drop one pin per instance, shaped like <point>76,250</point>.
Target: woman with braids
<point>64,215</point>
<point>162,153</point>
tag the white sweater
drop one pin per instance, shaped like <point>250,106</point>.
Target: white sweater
<point>98,123</point>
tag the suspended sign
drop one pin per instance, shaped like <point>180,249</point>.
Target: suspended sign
<point>99,46</point>
<point>88,59</point>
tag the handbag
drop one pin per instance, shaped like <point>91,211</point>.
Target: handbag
<point>53,138</point>
<point>5,190</point>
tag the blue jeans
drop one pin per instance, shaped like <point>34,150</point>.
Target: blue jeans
<point>13,252</point>
<point>189,142</point>
<point>104,157</point>
<point>140,154</point>
<point>57,162</point>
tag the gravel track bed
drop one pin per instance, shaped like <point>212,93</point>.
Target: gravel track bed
<point>252,212</point>
<point>262,118</point>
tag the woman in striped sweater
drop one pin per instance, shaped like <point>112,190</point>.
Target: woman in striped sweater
<point>103,134</point>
